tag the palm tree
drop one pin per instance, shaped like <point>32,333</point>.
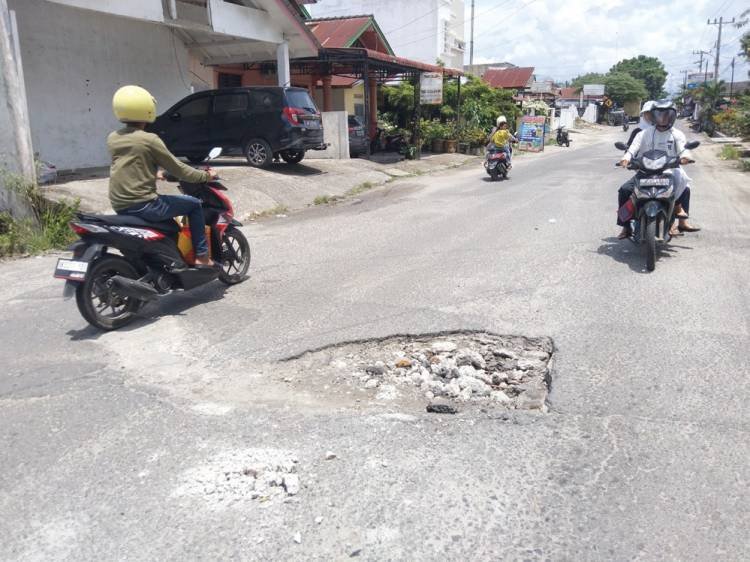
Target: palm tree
<point>710,95</point>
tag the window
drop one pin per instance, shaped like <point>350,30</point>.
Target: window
<point>229,80</point>
<point>301,99</point>
<point>194,108</point>
<point>261,101</point>
<point>225,103</point>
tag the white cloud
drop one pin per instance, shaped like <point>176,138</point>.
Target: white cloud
<point>564,38</point>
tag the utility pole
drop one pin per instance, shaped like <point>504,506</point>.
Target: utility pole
<point>684,79</point>
<point>731,84</point>
<point>700,64</point>
<point>15,94</point>
<point>720,23</point>
<point>471,45</point>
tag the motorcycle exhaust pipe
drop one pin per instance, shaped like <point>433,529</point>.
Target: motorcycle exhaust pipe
<point>132,288</point>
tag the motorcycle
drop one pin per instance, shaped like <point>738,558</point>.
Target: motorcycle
<point>384,142</point>
<point>562,137</point>
<point>650,209</point>
<point>153,258</point>
<point>496,163</point>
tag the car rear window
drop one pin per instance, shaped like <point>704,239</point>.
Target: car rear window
<point>354,121</point>
<point>224,103</point>
<point>301,99</point>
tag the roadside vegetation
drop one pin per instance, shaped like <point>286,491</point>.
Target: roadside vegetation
<point>46,227</point>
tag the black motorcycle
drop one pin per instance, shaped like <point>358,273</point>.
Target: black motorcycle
<point>496,163</point>
<point>150,258</point>
<point>384,142</point>
<point>650,209</point>
<point>562,137</point>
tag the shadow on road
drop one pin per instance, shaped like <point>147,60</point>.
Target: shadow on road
<point>276,167</point>
<point>624,251</point>
<point>171,305</point>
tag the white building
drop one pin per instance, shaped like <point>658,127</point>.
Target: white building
<point>424,30</point>
<point>74,54</point>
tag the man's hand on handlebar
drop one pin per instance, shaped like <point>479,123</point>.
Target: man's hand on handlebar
<point>623,163</point>
<point>684,161</point>
<point>212,174</point>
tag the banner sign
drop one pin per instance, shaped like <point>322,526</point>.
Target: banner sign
<point>531,133</point>
<point>431,88</point>
<point>593,89</point>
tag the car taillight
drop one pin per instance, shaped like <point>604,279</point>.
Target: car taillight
<point>292,114</point>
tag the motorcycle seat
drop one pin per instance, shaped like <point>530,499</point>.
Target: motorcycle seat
<point>168,226</point>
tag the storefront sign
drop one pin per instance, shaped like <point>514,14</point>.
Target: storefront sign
<point>593,89</point>
<point>531,133</point>
<point>431,88</point>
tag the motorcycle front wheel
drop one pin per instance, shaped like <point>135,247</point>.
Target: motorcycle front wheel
<point>99,305</point>
<point>235,257</point>
<point>650,240</point>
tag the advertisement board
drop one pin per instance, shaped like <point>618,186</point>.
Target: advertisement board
<point>531,133</point>
<point>593,89</point>
<point>431,88</point>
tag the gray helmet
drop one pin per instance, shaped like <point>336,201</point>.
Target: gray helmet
<point>663,114</point>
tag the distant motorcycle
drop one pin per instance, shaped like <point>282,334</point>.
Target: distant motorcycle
<point>387,143</point>
<point>650,210</point>
<point>562,137</point>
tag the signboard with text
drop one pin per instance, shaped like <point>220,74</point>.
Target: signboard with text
<point>531,133</point>
<point>431,88</point>
<point>593,89</point>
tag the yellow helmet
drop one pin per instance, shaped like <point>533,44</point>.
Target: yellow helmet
<point>133,104</point>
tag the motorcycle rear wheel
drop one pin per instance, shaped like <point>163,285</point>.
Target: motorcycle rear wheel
<point>650,241</point>
<point>494,174</point>
<point>94,288</point>
<point>236,257</point>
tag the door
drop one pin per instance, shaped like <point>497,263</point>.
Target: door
<point>186,131</point>
<point>229,119</point>
<point>265,116</point>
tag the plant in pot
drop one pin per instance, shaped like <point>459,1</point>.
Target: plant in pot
<point>450,142</point>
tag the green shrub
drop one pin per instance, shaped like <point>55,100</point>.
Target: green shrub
<point>729,152</point>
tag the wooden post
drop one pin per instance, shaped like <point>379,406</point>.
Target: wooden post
<point>327,94</point>
<point>15,96</point>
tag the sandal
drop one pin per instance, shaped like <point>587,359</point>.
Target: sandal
<point>624,234</point>
<point>682,217</point>
<point>688,228</point>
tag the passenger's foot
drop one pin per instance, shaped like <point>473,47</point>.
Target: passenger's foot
<point>685,227</point>
<point>674,231</point>
<point>624,233</point>
<point>204,261</point>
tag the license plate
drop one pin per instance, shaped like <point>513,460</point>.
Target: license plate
<point>71,269</point>
<point>311,124</point>
<point>655,181</point>
<point>360,133</point>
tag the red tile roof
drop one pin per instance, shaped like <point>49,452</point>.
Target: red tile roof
<point>509,78</point>
<point>569,93</point>
<point>336,33</point>
<point>413,63</point>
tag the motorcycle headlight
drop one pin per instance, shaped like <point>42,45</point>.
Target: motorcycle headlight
<point>665,192</point>
<point>657,164</point>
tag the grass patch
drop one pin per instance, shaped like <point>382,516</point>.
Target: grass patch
<point>361,188</point>
<point>325,199</point>
<point>277,210</point>
<point>729,152</point>
<point>46,229</point>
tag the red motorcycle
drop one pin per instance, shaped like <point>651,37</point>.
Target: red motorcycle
<point>153,259</point>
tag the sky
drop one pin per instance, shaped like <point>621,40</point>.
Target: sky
<point>565,38</point>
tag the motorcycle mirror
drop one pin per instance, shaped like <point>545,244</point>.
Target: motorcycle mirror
<point>692,144</point>
<point>215,153</point>
<point>621,145</point>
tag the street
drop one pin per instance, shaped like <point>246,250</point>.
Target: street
<point>642,453</point>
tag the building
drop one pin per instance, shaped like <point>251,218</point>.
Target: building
<point>517,78</point>
<point>74,54</point>
<point>422,30</point>
<point>480,69</point>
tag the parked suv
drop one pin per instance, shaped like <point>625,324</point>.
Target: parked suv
<point>358,140</point>
<point>261,122</point>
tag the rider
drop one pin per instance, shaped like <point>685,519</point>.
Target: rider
<point>502,137</point>
<point>645,121</point>
<point>136,156</point>
<point>661,136</point>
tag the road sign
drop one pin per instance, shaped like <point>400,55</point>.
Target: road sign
<point>593,89</point>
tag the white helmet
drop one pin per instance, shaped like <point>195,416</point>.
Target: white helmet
<point>647,106</point>
<point>501,120</point>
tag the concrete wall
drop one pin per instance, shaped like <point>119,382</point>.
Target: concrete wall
<point>74,60</point>
<point>336,134</point>
<point>419,39</point>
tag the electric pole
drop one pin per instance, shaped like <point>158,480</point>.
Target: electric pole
<point>731,84</point>
<point>720,23</point>
<point>700,64</point>
<point>471,45</point>
<point>684,80</point>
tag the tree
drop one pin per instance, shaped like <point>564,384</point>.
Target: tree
<point>710,95</point>
<point>649,70</point>
<point>589,78</point>
<point>622,87</point>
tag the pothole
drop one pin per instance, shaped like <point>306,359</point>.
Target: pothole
<point>237,476</point>
<point>509,372</point>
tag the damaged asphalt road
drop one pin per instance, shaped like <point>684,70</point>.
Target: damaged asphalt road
<point>179,438</point>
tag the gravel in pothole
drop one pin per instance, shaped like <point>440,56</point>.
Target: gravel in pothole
<point>508,371</point>
<point>236,476</point>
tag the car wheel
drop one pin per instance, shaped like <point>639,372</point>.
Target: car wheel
<point>258,153</point>
<point>293,156</point>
